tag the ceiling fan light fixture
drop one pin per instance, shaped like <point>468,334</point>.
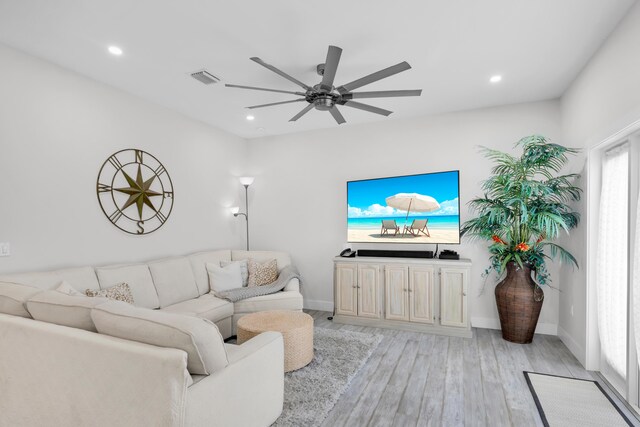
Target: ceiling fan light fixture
<point>324,103</point>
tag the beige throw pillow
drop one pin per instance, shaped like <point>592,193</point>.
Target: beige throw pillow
<point>120,292</point>
<point>262,273</point>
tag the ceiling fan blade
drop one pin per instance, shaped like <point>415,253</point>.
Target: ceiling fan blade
<point>265,89</point>
<point>304,111</point>
<point>365,107</point>
<point>378,75</point>
<point>330,67</point>
<point>280,73</point>
<point>382,94</point>
<point>276,103</point>
<point>336,115</point>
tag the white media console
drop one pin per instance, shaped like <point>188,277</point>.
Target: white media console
<point>413,294</point>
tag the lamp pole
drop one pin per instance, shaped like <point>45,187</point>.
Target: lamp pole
<point>246,208</point>
<point>246,182</point>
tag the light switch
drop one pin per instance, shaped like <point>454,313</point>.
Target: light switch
<point>5,249</point>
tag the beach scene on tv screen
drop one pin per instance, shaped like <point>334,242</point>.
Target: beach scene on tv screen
<point>405,209</point>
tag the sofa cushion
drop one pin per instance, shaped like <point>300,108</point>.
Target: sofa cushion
<point>224,278</point>
<point>174,280</point>
<point>63,309</point>
<point>137,276</point>
<point>276,301</point>
<point>198,264</point>
<point>282,258</point>
<point>207,306</point>
<point>13,298</point>
<point>78,278</point>
<point>198,337</point>
<point>119,292</point>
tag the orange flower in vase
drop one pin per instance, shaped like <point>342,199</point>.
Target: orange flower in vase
<point>523,247</point>
<point>497,239</point>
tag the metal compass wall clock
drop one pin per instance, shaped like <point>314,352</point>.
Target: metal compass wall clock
<point>135,191</point>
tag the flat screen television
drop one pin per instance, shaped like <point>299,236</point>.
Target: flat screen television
<point>421,208</point>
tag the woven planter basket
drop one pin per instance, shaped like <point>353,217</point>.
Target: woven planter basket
<point>519,300</point>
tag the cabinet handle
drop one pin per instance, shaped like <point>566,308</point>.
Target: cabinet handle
<point>464,294</point>
<point>410,290</point>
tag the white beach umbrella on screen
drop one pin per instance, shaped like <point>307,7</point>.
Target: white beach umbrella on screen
<point>413,202</point>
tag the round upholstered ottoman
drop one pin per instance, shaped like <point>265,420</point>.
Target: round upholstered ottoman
<point>296,329</point>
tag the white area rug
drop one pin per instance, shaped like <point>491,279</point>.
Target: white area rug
<point>570,402</point>
<point>311,392</point>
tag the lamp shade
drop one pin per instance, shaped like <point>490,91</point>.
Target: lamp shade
<point>234,209</point>
<point>246,180</point>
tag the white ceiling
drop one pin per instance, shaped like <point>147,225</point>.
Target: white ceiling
<point>453,46</point>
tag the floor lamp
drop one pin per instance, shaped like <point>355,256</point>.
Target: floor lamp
<point>246,181</point>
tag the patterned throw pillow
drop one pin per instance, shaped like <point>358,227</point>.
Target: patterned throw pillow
<point>262,273</point>
<point>244,269</point>
<point>119,292</point>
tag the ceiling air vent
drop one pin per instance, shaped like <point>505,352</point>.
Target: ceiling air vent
<point>205,77</point>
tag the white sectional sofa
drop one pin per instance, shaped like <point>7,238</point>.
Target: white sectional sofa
<point>52,375</point>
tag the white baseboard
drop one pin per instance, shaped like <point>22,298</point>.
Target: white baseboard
<point>310,304</point>
<point>493,323</point>
<point>578,351</point>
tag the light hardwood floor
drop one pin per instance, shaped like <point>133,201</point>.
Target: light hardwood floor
<point>417,379</point>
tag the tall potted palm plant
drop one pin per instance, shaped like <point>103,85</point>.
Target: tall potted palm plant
<point>524,209</point>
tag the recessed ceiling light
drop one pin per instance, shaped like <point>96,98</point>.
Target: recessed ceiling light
<point>115,50</point>
<point>250,117</point>
<point>495,79</point>
<point>261,129</point>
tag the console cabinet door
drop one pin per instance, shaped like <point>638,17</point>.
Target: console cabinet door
<point>421,294</point>
<point>396,292</point>
<point>368,294</point>
<point>453,297</point>
<point>346,289</point>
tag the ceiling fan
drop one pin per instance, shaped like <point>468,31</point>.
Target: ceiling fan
<point>325,97</point>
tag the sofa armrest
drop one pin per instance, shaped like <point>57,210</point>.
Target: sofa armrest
<point>293,285</point>
<point>236,353</point>
<point>255,374</point>
<point>53,375</point>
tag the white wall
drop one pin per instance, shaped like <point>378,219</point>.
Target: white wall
<point>604,98</point>
<point>56,130</point>
<point>299,197</point>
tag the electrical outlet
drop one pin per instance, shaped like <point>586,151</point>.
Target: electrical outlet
<point>5,249</point>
